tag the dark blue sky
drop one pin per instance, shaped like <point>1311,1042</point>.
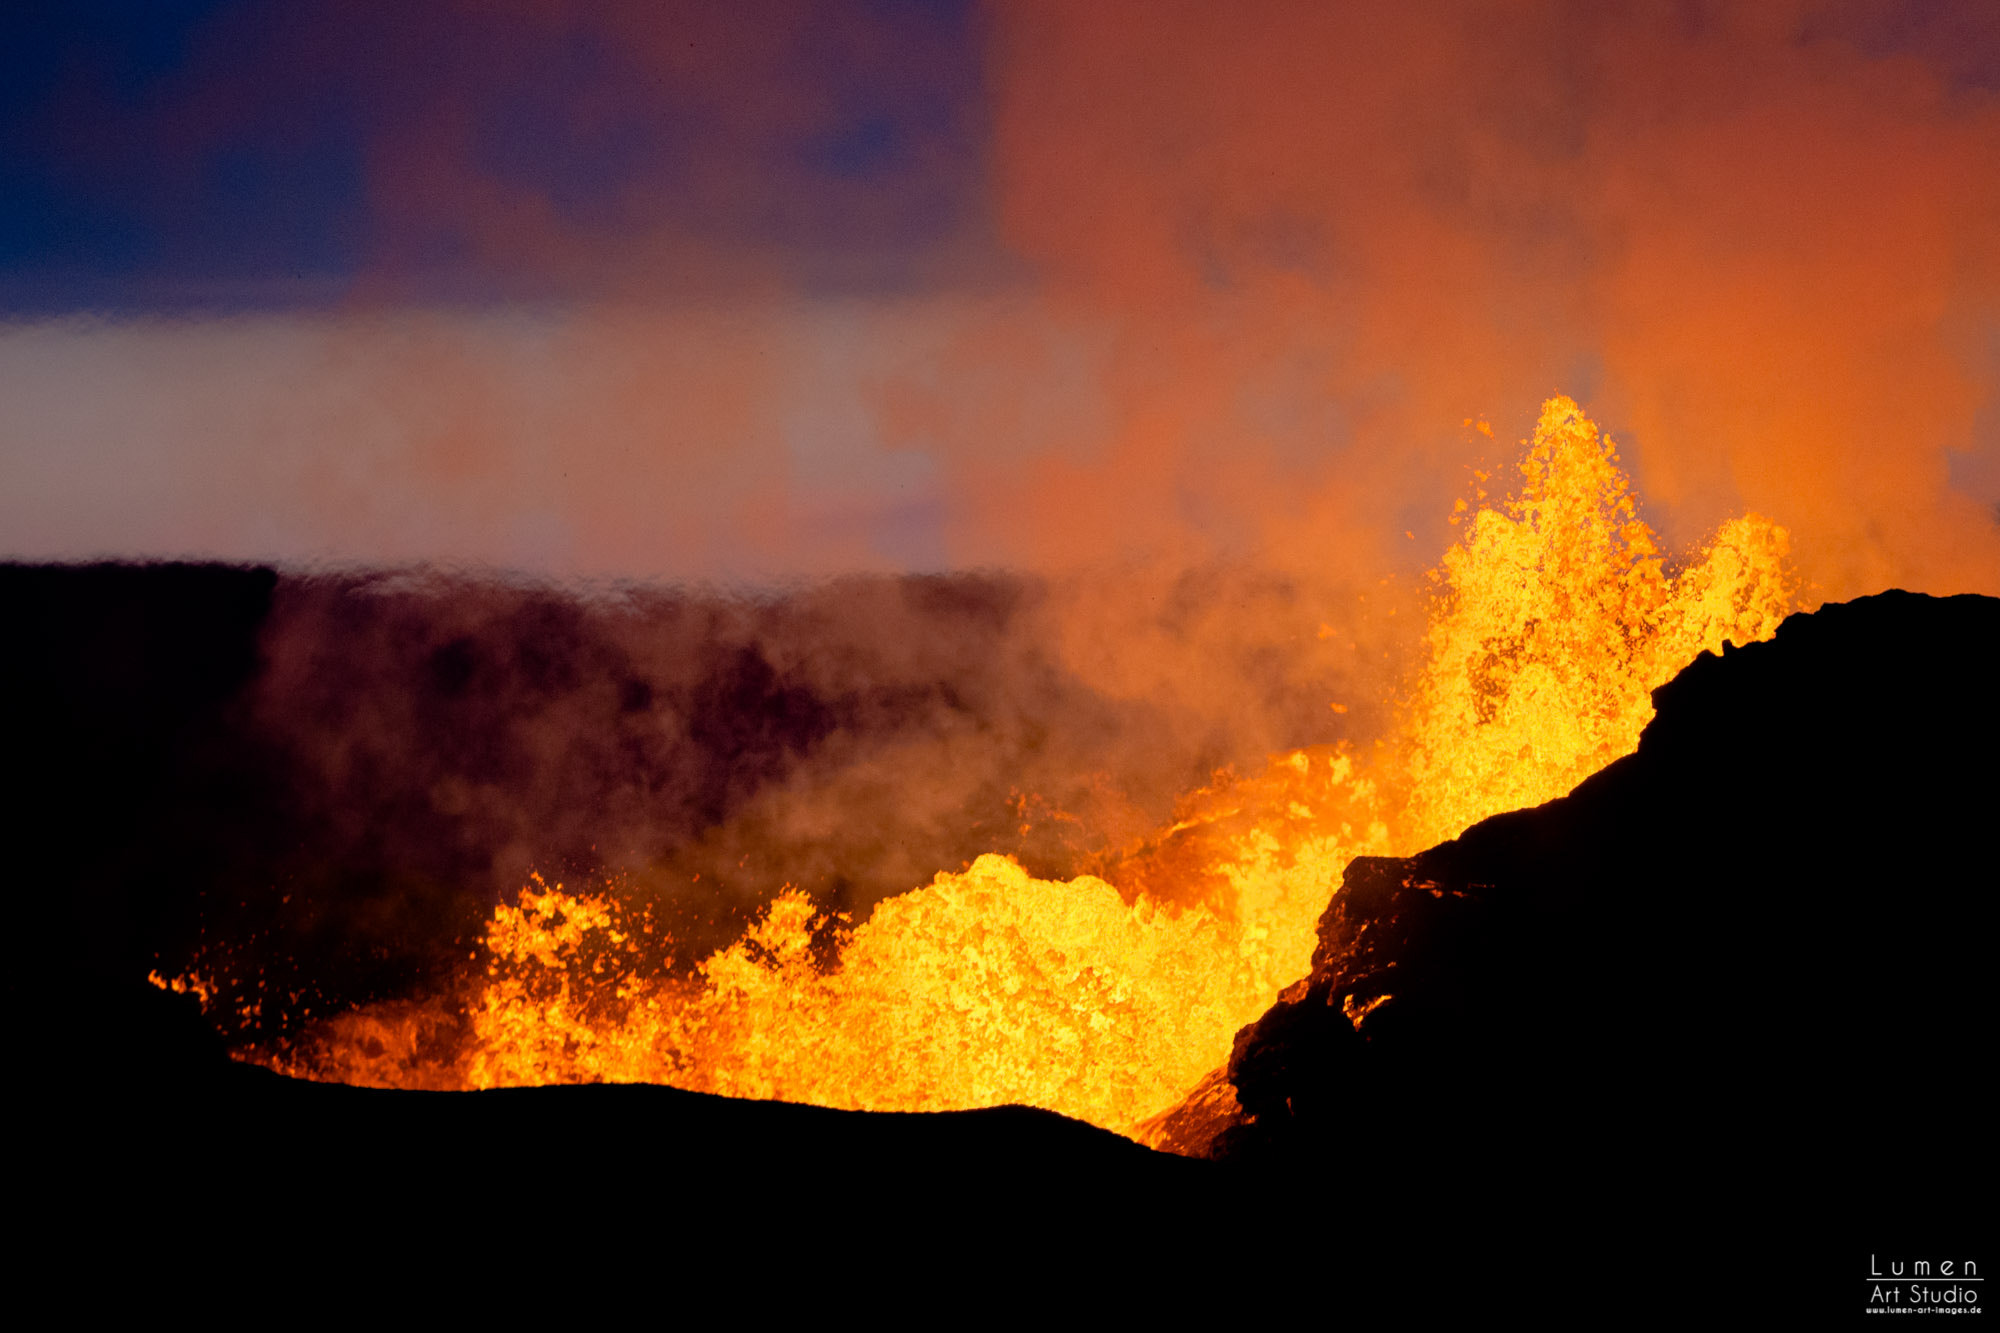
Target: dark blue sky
<point>167,155</point>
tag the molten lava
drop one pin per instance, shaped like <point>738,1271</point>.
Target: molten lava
<point>1555,617</point>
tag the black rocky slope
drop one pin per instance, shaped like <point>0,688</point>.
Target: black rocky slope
<point>1702,1036</point>
<point>185,1179</point>
<point>148,803</point>
<point>1718,1021</point>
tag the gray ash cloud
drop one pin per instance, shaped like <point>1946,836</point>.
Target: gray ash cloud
<point>318,785</point>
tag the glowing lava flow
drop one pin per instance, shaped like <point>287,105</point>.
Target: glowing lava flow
<point>1555,618</point>
<point>1556,622</point>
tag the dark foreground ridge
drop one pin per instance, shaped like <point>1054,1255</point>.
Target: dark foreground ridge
<point>215,1180</point>
<point>1701,1036</point>
<point>1720,1019</point>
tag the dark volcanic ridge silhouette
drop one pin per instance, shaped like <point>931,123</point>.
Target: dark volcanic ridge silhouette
<point>1790,872</point>
<point>1725,1005</point>
<point>1671,1022</point>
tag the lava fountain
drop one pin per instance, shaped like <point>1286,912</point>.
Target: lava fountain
<point>1104,997</point>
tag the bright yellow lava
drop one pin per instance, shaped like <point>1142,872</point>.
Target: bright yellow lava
<point>1555,618</point>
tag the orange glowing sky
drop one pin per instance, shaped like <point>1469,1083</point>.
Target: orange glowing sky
<point>623,290</point>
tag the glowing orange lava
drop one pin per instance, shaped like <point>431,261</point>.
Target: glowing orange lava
<point>1555,618</point>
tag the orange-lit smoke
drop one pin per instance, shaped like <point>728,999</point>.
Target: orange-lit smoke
<point>1311,238</point>
<point>1210,355</point>
<point>1227,281</point>
<point>1108,998</point>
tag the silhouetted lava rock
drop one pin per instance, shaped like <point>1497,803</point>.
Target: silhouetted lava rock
<point>218,1179</point>
<point>311,775</point>
<point>1191,1126</point>
<point>1733,996</point>
<point>1703,1035</point>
